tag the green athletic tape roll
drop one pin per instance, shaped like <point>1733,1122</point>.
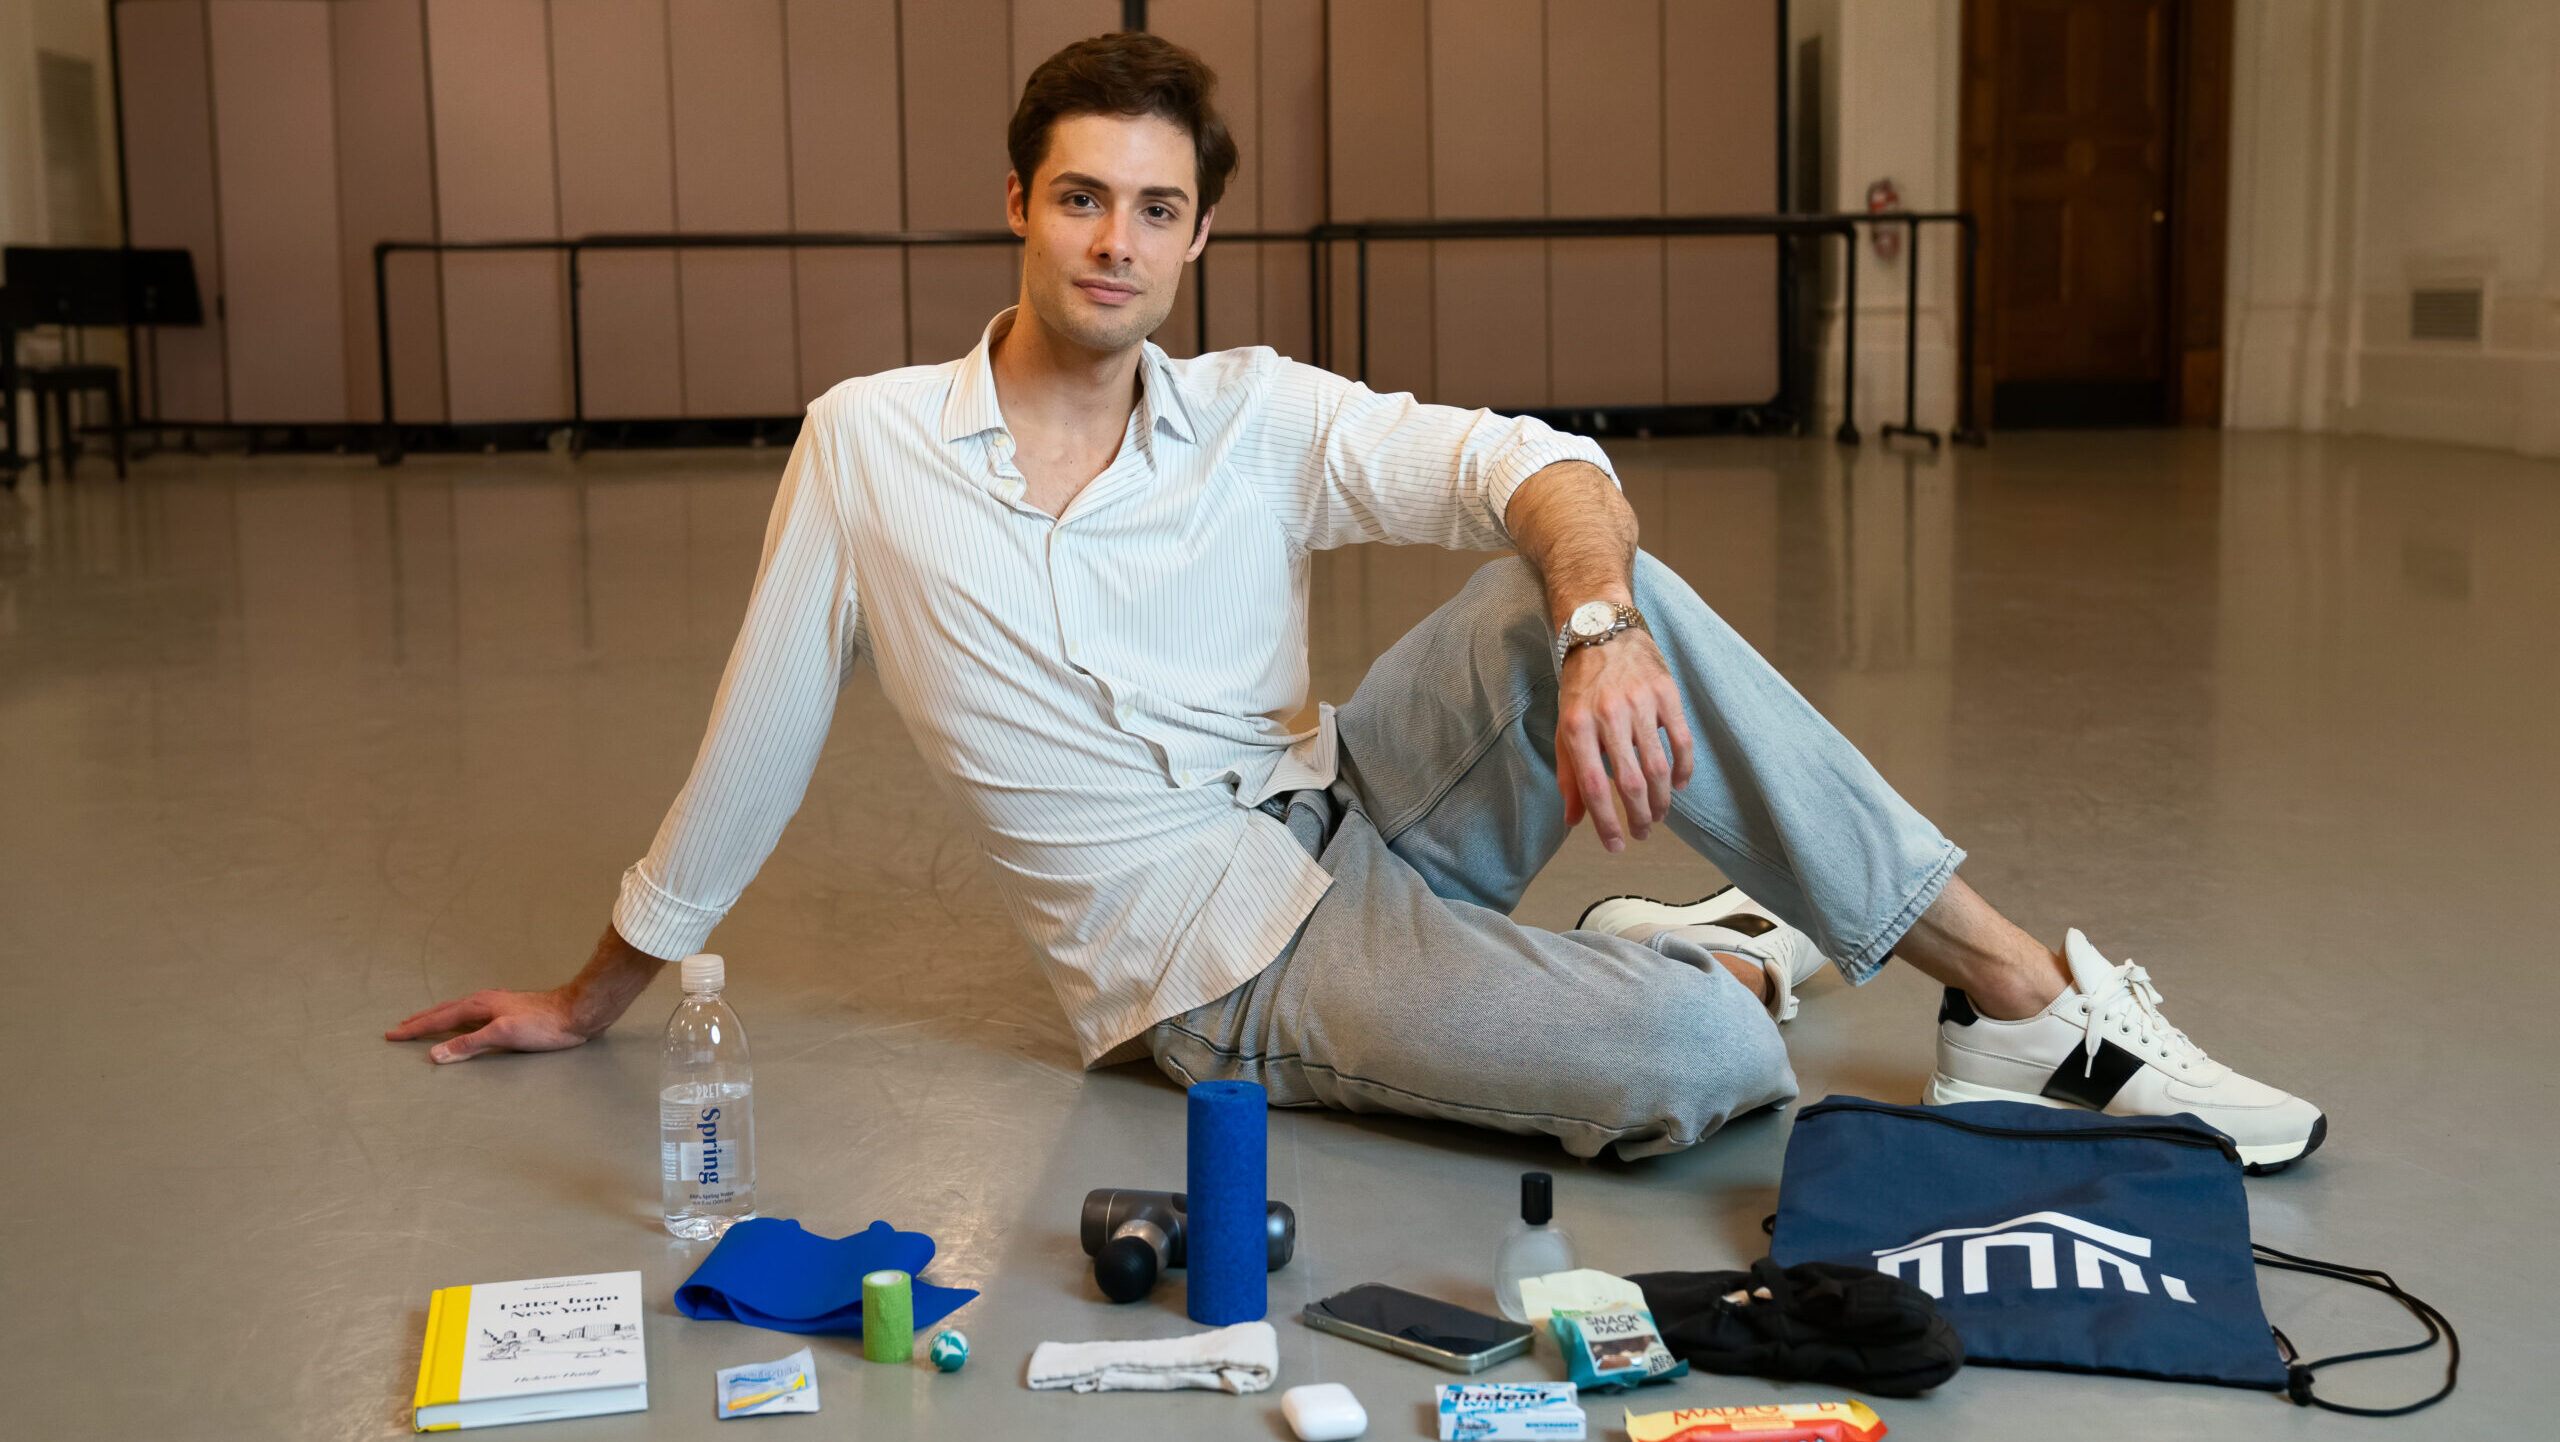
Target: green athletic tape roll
<point>888,1317</point>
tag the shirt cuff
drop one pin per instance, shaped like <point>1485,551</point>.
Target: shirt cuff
<point>1535,448</point>
<point>658,924</point>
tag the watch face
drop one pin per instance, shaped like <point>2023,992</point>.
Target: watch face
<point>1593,618</point>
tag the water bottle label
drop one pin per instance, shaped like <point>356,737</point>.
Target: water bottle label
<point>706,1164</point>
<point>709,1170</point>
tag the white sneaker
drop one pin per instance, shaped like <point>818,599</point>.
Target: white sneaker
<point>2103,1045</point>
<point>1725,921</point>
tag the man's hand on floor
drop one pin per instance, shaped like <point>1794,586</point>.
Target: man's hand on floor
<point>1616,701</point>
<point>496,1021</point>
<point>554,1020</point>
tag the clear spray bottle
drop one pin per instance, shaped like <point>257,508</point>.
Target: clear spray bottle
<point>1535,1247</point>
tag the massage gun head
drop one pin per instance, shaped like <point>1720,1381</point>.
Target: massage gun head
<point>1135,1237</point>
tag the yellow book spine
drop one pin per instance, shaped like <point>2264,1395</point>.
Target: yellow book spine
<point>440,1357</point>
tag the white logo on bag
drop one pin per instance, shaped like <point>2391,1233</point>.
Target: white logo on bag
<point>2094,1249</point>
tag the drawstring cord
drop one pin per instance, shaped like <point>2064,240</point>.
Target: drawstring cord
<point>2298,1373</point>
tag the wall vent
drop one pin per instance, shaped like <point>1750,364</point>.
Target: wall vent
<point>2445,312</point>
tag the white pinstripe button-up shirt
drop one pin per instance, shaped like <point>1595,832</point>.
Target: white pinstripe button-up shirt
<point>1107,693</point>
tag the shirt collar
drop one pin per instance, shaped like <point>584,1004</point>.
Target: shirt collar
<point>971,407</point>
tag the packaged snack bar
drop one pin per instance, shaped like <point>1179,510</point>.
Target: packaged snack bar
<point>1614,1347</point>
<point>1850,1421</point>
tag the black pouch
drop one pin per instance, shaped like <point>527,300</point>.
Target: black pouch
<point>1813,1322</point>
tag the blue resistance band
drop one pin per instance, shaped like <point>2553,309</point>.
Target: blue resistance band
<point>767,1272</point>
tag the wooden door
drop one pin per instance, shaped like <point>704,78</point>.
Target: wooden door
<point>2078,161</point>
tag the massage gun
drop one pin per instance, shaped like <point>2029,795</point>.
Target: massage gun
<point>1132,1236</point>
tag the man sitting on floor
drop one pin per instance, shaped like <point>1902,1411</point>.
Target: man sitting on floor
<point>1080,570</point>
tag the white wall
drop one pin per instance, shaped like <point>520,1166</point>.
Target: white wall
<point>67,27</point>
<point>1892,77</point>
<point>2378,145</point>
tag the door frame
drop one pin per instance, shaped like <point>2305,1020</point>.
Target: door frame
<point>2199,201</point>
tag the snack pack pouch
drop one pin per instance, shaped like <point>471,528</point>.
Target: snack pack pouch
<point>1614,1347</point>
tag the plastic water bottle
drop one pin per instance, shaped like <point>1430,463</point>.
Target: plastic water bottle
<point>706,1109</point>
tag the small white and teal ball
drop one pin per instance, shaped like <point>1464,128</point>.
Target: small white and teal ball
<point>950,1348</point>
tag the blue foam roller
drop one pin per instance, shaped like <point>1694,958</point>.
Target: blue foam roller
<point>1225,1249</point>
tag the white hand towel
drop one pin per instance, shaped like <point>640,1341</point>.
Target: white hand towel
<point>1240,1359</point>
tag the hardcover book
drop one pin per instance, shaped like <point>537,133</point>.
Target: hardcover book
<point>501,1352</point>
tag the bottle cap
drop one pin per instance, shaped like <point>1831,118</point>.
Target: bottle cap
<point>703,972</point>
<point>1537,1196</point>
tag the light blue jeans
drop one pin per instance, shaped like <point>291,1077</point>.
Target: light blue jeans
<point>1410,988</point>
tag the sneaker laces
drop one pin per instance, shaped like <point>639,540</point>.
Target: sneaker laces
<point>2128,1002</point>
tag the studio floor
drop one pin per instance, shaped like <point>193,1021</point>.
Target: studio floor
<point>292,747</point>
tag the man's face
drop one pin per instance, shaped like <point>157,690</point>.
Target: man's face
<point>1107,226</point>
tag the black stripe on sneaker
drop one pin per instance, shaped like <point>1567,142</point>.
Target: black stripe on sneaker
<point>2079,1083</point>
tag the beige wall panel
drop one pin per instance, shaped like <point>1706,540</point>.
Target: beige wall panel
<point>1381,133</point>
<point>853,316</point>
<point>276,162</point>
<point>168,158</point>
<point>847,173</point>
<point>1604,134</point>
<point>1290,99</point>
<point>1285,325</point>
<point>1235,296</point>
<point>506,355</point>
<point>732,125</point>
<point>1334,275</point>
<point>1720,106</point>
<point>1492,317</point>
<point>616,140</point>
<point>629,334</point>
<point>610,107</point>
<point>958,95</point>
<point>1488,159</point>
<point>1381,169</point>
<point>416,282</point>
<point>1225,33</point>
<point>1488,84</point>
<point>953,293</point>
<point>1720,309</point>
<point>845,165</point>
<point>386,191</point>
<point>1400,306</point>
<point>506,331</point>
<point>1606,322</point>
<point>1720,153</point>
<point>1179,333</point>
<point>491,65</point>
<point>1042,28</point>
<point>741,349</point>
<point>733,173</point>
<point>1604,106</point>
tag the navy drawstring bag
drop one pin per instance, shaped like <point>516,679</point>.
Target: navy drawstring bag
<point>2060,1239</point>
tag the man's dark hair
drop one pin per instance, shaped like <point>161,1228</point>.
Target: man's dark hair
<point>1127,73</point>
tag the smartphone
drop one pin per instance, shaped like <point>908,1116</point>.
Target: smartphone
<point>1423,1328</point>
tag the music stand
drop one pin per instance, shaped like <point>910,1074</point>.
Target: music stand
<point>159,289</point>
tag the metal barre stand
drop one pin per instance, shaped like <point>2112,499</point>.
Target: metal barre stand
<point>1320,241</point>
